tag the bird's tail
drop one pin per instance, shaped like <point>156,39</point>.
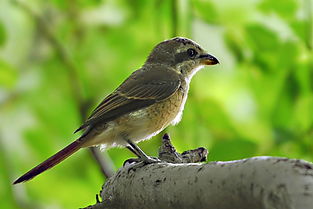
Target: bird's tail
<point>51,162</point>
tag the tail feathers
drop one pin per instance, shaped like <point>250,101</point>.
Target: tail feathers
<point>50,162</point>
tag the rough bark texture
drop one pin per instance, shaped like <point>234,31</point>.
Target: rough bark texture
<point>254,183</point>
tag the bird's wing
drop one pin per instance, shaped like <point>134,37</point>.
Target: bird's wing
<point>143,88</point>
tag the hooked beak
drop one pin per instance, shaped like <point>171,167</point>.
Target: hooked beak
<point>207,59</point>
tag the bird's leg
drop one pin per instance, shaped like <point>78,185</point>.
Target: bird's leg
<point>141,155</point>
<point>132,160</point>
<point>137,150</point>
<point>132,150</point>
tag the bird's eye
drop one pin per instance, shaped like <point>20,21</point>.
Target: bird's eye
<point>191,52</point>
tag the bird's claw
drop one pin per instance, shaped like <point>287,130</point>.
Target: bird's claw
<point>135,163</point>
<point>150,160</point>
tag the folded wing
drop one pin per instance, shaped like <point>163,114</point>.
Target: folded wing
<point>142,89</point>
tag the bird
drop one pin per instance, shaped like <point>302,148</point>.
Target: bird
<point>150,99</point>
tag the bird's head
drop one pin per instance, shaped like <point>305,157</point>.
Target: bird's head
<point>182,54</point>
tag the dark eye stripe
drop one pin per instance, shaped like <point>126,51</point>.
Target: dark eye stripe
<point>185,55</point>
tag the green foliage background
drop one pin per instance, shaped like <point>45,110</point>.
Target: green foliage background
<point>59,56</point>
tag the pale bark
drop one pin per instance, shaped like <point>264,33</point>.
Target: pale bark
<point>254,183</point>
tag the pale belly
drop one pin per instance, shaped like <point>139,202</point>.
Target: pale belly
<point>140,125</point>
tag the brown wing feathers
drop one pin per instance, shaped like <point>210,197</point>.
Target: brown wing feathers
<point>136,92</point>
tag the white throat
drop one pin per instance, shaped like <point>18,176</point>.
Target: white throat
<point>192,73</point>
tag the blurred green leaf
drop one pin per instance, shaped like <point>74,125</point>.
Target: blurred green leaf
<point>303,114</point>
<point>232,150</point>
<point>284,8</point>
<point>205,10</point>
<point>283,135</point>
<point>8,75</point>
<point>3,35</point>
<point>302,29</point>
<point>262,39</point>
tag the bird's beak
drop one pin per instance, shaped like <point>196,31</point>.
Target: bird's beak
<point>207,59</point>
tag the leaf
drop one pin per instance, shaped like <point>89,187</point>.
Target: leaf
<point>3,35</point>
<point>302,29</point>
<point>8,75</point>
<point>232,149</point>
<point>205,10</point>
<point>284,8</point>
<point>303,113</point>
<point>261,38</point>
<point>283,135</point>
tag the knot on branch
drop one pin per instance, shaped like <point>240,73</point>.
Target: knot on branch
<point>167,153</point>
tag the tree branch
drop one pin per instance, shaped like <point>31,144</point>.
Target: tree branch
<point>258,183</point>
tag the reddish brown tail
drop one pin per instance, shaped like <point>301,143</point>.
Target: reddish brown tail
<point>50,162</point>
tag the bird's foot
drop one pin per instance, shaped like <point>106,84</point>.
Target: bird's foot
<point>135,163</point>
<point>144,161</point>
<point>149,160</point>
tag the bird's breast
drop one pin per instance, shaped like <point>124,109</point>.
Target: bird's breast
<point>168,111</point>
<point>147,122</point>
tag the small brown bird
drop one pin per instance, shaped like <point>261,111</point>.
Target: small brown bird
<point>149,100</point>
